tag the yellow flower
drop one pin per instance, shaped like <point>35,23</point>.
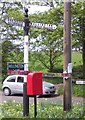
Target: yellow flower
<point>5,101</point>
<point>46,99</point>
<point>14,101</point>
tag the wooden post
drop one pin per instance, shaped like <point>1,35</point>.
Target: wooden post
<point>67,97</point>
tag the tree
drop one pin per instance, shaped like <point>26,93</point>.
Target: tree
<point>78,28</point>
<point>48,43</point>
<point>10,53</point>
<point>78,25</point>
<point>9,32</point>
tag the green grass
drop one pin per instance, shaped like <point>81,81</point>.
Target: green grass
<point>12,109</point>
<point>77,64</point>
<point>77,90</point>
<point>76,67</point>
<point>76,59</point>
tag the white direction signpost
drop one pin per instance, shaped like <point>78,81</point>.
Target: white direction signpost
<point>26,25</point>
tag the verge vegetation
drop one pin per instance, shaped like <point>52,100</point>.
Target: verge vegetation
<point>12,110</point>
<point>77,90</point>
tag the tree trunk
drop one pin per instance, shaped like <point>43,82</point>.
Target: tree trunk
<point>51,64</point>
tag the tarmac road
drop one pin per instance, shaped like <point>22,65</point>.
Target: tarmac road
<point>19,98</point>
<point>57,99</point>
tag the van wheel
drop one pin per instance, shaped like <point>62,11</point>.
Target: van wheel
<point>7,91</point>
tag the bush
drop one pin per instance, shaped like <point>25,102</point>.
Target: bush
<point>77,72</point>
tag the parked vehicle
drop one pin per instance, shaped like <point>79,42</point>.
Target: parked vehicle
<point>14,85</point>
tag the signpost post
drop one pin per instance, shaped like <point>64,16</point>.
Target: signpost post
<point>25,96</point>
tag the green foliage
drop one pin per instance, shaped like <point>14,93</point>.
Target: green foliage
<point>53,80</point>
<point>48,43</point>
<point>14,110</point>
<point>55,16</point>
<point>39,61</point>
<point>77,15</point>
<point>61,90</point>
<point>15,13</point>
<point>78,25</point>
<point>36,65</point>
<point>77,71</point>
<point>77,90</point>
<point>11,109</point>
<point>10,53</point>
<point>14,10</point>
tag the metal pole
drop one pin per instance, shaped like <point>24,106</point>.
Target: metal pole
<point>35,106</point>
<point>25,96</point>
<point>67,97</point>
<point>25,101</point>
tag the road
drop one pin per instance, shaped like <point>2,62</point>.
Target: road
<point>19,98</point>
<point>57,99</point>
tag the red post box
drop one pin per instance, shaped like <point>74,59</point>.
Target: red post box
<point>34,83</point>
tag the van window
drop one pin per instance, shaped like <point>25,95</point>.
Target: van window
<point>20,79</point>
<point>12,79</point>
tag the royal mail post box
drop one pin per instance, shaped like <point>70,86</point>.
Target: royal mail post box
<point>34,83</point>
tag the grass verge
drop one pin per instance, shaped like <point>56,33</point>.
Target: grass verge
<point>12,109</point>
<point>77,90</point>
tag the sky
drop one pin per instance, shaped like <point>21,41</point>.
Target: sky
<point>24,1</point>
<point>36,8</point>
<point>32,8</point>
